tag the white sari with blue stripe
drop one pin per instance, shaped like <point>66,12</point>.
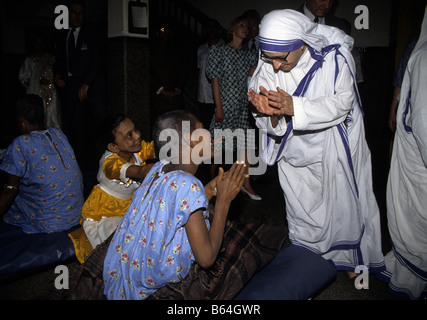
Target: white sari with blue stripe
<point>407,184</point>
<point>323,160</point>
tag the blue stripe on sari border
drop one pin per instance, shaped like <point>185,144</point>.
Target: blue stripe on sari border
<point>274,45</point>
<point>315,54</point>
<point>345,266</point>
<point>359,102</point>
<point>268,140</point>
<point>296,243</point>
<point>339,245</point>
<point>346,245</point>
<point>358,257</point>
<point>384,276</point>
<point>376,268</point>
<point>285,138</point>
<point>408,129</point>
<point>343,133</point>
<point>408,265</point>
<point>399,291</point>
<point>337,69</point>
<point>378,265</point>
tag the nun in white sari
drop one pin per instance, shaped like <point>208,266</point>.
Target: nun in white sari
<point>317,139</point>
<point>407,184</point>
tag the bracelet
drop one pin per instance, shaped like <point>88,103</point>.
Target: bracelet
<point>160,90</point>
<point>9,187</point>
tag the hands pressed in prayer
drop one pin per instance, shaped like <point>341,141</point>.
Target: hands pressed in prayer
<point>282,101</point>
<point>260,101</point>
<point>272,102</point>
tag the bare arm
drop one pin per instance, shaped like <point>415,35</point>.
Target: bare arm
<point>8,193</point>
<point>138,172</point>
<point>393,109</point>
<point>206,244</point>
<point>219,116</point>
<point>210,189</point>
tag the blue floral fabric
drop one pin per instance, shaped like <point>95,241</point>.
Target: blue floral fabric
<point>50,196</point>
<point>150,247</point>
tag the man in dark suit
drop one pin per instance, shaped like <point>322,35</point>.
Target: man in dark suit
<point>80,75</point>
<point>321,11</point>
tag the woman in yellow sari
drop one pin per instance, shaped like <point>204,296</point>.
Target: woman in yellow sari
<point>122,168</point>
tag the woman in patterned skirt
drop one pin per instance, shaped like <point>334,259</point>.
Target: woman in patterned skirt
<point>228,67</point>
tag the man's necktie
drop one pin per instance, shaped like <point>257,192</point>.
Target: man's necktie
<point>71,48</point>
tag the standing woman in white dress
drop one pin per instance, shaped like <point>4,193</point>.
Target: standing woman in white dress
<point>36,76</point>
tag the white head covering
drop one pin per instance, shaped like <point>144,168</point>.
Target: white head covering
<point>422,40</point>
<point>406,83</point>
<point>421,43</point>
<point>287,30</point>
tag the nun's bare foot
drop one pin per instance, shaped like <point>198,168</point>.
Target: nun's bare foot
<point>352,276</point>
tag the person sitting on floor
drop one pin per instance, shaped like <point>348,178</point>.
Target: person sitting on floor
<point>44,187</point>
<point>121,169</point>
<point>167,224</point>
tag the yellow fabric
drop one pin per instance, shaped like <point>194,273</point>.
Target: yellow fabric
<point>147,151</point>
<point>114,163</point>
<point>81,244</point>
<point>101,204</point>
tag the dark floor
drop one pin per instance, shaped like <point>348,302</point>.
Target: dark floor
<point>35,286</point>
